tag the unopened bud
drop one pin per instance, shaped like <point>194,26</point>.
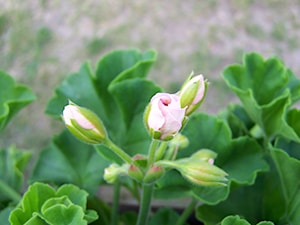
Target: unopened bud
<point>153,174</point>
<point>84,124</point>
<point>192,93</point>
<point>135,173</point>
<point>112,172</point>
<point>198,171</point>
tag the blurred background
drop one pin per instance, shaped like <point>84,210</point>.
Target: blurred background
<point>42,41</point>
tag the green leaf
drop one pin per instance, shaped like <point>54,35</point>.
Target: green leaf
<point>64,215</point>
<point>13,97</point>
<point>237,119</point>
<point>32,201</point>
<point>234,220</point>
<point>245,201</point>
<point>288,169</point>
<point>41,204</point>
<point>67,160</point>
<point>245,161</point>
<point>75,194</point>
<point>12,165</point>
<point>266,91</point>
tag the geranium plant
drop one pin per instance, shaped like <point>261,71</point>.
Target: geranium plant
<point>240,166</point>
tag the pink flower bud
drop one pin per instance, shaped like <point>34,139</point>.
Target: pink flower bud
<point>84,124</point>
<point>164,116</point>
<point>192,93</point>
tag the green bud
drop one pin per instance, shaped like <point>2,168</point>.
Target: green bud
<point>84,124</point>
<point>192,93</point>
<point>205,155</point>
<point>140,161</point>
<point>135,173</point>
<point>153,174</point>
<point>198,172</point>
<point>112,172</point>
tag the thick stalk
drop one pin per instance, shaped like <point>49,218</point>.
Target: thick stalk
<point>10,192</point>
<point>147,191</point>
<point>120,152</point>
<point>116,200</point>
<point>186,213</point>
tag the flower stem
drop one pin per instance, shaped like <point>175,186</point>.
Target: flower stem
<point>147,191</point>
<point>120,152</point>
<point>116,201</point>
<point>186,213</point>
<point>161,150</point>
<point>152,150</point>
<point>10,192</point>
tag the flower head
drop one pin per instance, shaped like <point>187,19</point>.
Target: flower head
<point>164,116</point>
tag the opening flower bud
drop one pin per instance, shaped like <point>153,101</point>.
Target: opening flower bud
<point>164,116</point>
<point>192,93</point>
<point>84,124</point>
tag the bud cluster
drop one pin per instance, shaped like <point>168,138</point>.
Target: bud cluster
<point>167,113</point>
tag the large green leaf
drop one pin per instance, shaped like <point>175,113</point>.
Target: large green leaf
<point>288,169</point>
<point>117,92</point>
<point>241,158</point>
<point>68,160</point>
<point>12,165</point>
<point>13,97</point>
<point>266,89</point>
<point>245,201</point>
<point>42,204</point>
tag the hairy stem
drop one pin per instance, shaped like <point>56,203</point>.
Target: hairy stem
<point>120,152</point>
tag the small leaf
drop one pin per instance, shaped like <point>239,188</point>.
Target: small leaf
<point>13,97</point>
<point>33,201</point>
<point>75,194</point>
<point>234,220</point>
<point>64,215</point>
